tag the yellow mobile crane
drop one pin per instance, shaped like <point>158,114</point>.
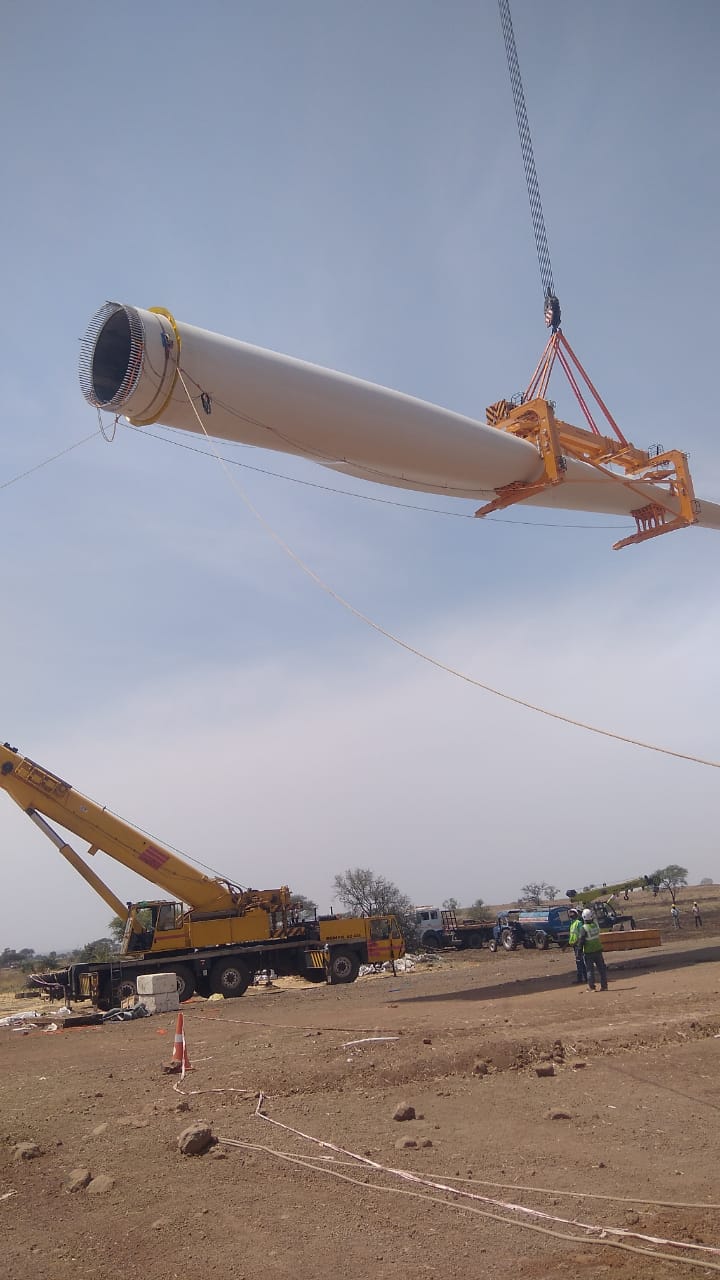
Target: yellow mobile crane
<point>600,898</point>
<point>213,934</point>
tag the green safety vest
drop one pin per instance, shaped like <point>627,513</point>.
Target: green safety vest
<point>593,941</point>
<point>575,931</point>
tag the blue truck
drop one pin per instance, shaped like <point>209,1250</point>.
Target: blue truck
<point>538,929</point>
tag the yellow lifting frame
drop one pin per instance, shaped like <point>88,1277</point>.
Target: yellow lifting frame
<point>556,441</point>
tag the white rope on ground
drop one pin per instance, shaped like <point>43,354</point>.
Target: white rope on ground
<point>304,1162</point>
<point>418,653</point>
<point>549,1191</point>
<point>247,1093</point>
<point>296,1026</point>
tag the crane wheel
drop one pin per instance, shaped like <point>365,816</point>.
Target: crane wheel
<point>344,965</point>
<point>230,978</point>
<point>185,980</point>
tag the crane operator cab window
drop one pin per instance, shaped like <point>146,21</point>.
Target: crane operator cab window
<point>169,917</point>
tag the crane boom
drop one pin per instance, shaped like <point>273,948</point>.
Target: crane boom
<point>38,791</point>
<point>607,890</point>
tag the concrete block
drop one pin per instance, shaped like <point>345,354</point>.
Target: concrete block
<point>165,1003</point>
<point>157,984</point>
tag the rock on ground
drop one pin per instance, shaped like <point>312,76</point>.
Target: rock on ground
<point>196,1139</point>
<point>404,1111</point>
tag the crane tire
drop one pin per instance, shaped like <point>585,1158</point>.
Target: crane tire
<point>230,978</point>
<point>185,980</point>
<point>344,965</point>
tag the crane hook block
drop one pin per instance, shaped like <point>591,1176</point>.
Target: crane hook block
<point>552,312</point>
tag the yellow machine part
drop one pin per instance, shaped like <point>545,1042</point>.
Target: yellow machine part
<point>631,939</point>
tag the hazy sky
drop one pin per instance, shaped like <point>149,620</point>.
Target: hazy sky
<point>343,183</point>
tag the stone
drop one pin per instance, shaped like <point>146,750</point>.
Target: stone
<point>100,1128</point>
<point>182,1105</point>
<point>545,1069</point>
<point>196,1139</point>
<point>99,1185</point>
<point>427,1040</point>
<point>217,1153</point>
<point>166,1002</point>
<point>157,984</point>
<point>78,1180</point>
<point>159,1223</point>
<point>426,1142</point>
<point>578,1066</point>
<point>403,1144</point>
<point>560,1115</point>
<point>480,1069</point>
<point>26,1151</point>
<point>404,1111</point>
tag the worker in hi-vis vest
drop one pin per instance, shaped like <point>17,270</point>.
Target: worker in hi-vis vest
<point>575,941</point>
<point>592,950</point>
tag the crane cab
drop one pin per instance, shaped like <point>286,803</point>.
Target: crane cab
<point>155,926</point>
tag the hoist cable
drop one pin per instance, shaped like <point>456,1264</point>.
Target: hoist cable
<point>526,146</point>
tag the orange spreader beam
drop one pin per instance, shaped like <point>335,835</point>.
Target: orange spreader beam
<point>557,441</point>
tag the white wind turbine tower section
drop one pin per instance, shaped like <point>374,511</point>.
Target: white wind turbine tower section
<point>131,361</point>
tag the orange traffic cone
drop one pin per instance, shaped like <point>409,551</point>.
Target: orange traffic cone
<point>180,1060</point>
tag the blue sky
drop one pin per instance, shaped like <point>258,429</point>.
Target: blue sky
<point>343,183</point>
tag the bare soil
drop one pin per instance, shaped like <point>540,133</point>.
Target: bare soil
<point>633,1146</point>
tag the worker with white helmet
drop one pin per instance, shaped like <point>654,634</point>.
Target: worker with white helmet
<point>591,943</point>
<point>575,941</point>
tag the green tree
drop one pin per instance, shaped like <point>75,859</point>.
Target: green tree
<point>670,878</point>
<point>364,893</point>
<point>117,929</point>
<point>451,904</point>
<point>537,892</point>
<point>305,907</point>
<point>478,904</point>
<point>532,893</point>
<point>100,949</point>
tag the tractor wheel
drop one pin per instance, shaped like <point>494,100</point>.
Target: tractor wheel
<point>492,944</point>
<point>230,978</point>
<point>509,939</point>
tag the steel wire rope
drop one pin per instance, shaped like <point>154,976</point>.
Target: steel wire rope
<point>53,458</point>
<point>418,653</point>
<point>526,147</point>
<point>361,497</point>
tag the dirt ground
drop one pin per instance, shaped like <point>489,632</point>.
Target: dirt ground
<point>622,1135</point>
